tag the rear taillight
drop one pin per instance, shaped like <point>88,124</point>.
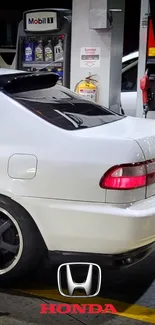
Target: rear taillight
<point>129,176</point>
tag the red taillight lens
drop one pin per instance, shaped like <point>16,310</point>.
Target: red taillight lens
<point>129,176</point>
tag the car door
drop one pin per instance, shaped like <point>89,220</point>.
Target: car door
<point>129,89</point>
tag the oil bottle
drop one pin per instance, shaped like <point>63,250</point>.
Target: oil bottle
<point>28,52</point>
<point>58,50</point>
<point>39,51</point>
<point>48,52</point>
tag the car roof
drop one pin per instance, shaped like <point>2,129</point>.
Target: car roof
<point>133,55</point>
<point>4,71</point>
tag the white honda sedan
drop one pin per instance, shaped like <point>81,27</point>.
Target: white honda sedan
<point>77,180</point>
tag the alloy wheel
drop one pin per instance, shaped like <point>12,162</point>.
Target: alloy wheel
<point>11,242</point>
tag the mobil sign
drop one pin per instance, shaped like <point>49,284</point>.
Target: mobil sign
<point>48,20</point>
<point>41,21</point>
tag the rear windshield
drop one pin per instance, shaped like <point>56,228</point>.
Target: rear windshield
<point>65,109</point>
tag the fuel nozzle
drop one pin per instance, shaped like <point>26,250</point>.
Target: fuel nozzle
<point>145,87</point>
<point>145,109</point>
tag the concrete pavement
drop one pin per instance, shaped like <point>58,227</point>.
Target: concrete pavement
<point>131,291</point>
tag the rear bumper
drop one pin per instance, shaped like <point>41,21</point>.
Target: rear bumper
<point>92,227</point>
<point>107,261</point>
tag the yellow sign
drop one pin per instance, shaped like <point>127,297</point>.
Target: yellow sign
<point>152,51</point>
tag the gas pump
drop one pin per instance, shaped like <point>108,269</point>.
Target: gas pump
<point>147,82</point>
<point>44,42</point>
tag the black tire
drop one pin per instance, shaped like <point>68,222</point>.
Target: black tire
<point>33,246</point>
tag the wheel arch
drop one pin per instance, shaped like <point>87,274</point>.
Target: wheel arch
<point>5,198</point>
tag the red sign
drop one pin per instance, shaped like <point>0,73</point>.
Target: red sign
<point>77,309</point>
<point>151,40</point>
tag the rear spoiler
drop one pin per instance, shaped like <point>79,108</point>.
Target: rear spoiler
<point>20,82</point>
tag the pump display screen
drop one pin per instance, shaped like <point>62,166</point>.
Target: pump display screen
<point>42,53</point>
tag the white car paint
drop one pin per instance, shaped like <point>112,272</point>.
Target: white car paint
<point>129,96</point>
<point>127,58</point>
<point>54,174</point>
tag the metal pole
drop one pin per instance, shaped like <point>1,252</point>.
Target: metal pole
<point>143,31</point>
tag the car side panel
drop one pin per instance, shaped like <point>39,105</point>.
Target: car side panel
<point>55,163</point>
<point>129,89</point>
<point>129,101</point>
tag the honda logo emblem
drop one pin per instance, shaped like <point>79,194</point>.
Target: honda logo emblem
<point>91,285</point>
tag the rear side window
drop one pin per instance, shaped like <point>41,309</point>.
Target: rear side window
<point>65,109</point>
<point>129,79</point>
